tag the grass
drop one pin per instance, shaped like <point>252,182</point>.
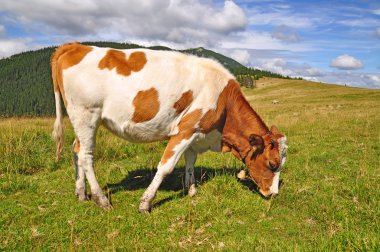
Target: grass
<point>329,199</point>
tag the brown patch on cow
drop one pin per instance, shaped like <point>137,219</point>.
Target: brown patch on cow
<point>215,118</point>
<point>146,105</point>
<point>186,129</point>
<point>234,118</point>
<point>64,57</point>
<point>77,145</point>
<point>117,59</point>
<point>137,61</point>
<point>183,102</point>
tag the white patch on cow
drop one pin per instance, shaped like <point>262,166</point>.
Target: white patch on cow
<point>174,132</point>
<point>282,151</point>
<point>211,141</point>
<point>275,183</point>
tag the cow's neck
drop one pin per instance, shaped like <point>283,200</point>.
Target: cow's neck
<point>241,121</point>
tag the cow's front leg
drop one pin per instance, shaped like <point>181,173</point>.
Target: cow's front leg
<point>176,146</point>
<point>190,158</point>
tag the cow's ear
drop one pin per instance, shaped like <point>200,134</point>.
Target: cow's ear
<point>257,142</point>
<point>274,129</point>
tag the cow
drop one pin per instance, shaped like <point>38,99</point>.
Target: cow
<point>144,95</point>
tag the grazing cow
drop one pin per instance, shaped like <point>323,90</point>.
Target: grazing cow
<point>143,95</point>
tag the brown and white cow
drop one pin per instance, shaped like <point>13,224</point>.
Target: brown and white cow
<point>144,95</point>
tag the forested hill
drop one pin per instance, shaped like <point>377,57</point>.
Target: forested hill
<point>26,87</point>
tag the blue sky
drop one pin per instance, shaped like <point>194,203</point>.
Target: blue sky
<point>327,41</point>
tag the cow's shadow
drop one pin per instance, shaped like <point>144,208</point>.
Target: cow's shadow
<point>140,179</point>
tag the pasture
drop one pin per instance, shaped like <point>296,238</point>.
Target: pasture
<point>329,197</point>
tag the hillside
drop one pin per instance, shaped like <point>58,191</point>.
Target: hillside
<point>25,84</point>
<point>226,61</point>
<point>25,79</point>
<point>328,200</point>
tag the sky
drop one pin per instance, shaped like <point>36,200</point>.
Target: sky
<point>327,41</point>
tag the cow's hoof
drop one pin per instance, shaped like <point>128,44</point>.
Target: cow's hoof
<point>192,191</point>
<point>81,194</point>
<point>101,201</point>
<point>82,197</point>
<point>144,207</point>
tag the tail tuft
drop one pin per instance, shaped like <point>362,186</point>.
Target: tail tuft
<point>59,137</point>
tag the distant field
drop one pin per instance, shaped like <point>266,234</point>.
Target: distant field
<point>329,199</point>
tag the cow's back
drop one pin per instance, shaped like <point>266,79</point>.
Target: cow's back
<point>142,94</point>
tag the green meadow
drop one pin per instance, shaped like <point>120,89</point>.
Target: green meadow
<point>329,197</point>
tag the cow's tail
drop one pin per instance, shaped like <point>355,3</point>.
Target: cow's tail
<point>58,131</point>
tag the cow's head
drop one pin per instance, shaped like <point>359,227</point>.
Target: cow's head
<point>265,160</point>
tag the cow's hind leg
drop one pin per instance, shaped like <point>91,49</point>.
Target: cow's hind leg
<point>80,177</point>
<point>176,146</point>
<point>85,127</point>
<point>190,158</point>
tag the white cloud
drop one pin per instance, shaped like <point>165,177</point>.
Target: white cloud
<point>315,79</point>
<point>370,80</point>
<point>259,17</point>
<point>286,34</point>
<point>377,33</point>
<point>260,41</point>
<point>179,21</point>
<point>231,18</point>
<point>286,68</point>
<point>346,62</point>
<point>241,56</point>
<point>9,47</point>
<point>312,71</point>
<point>360,22</point>
<point>376,12</point>
<point>2,30</point>
<point>277,65</point>
<point>353,79</point>
<point>375,79</point>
